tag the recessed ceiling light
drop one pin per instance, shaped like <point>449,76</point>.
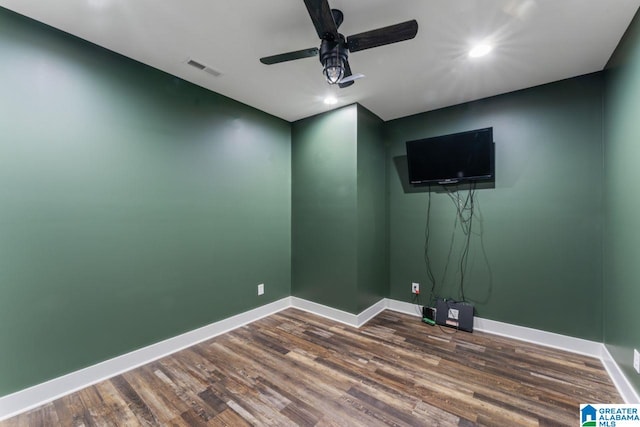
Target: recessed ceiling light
<point>331,100</point>
<point>480,50</point>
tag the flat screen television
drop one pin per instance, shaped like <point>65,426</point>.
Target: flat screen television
<point>447,159</point>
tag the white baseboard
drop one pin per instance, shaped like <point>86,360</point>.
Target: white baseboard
<point>404,307</point>
<point>522,333</point>
<point>621,382</point>
<point>547,339</point>
<point>325,311</point>
<point>355,320</point>
<point>46,392</point>
<point>40,394</point>
<point>536,336</point>
<point>371,312</point>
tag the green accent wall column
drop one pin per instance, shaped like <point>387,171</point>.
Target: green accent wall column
<point>536,251</point>
<point>133,206</point>
<point>373,266</point>
<point>621,292</point>
<point>338,209</point>
<point>324,209</point>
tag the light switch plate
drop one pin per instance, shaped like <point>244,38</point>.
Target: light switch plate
<point>636,360</point>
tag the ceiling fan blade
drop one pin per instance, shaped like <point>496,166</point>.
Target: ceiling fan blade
<point>347,81</point>
<point>381,36</point>
<point>290,56</point>
<point>348,78</point>
<point>322,18</point>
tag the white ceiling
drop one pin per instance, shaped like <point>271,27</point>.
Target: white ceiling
<point>536,42</point>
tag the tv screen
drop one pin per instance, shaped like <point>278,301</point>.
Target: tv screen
<point>446,159</point>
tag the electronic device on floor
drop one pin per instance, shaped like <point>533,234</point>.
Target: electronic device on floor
<point>429,315</point>
<point>458,315</point>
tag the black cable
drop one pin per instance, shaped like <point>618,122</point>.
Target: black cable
<point>464,208</point>
<point>427,261</point>
<point>465,251</point>
<point>416,300</point>
<point>451,244</point>
<point>464,214</point>
<point>448,331</point>
<point>480,234</point>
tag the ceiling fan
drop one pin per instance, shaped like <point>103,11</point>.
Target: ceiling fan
<point>334,49</point>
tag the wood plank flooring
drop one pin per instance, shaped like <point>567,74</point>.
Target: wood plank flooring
<point>294,368</point>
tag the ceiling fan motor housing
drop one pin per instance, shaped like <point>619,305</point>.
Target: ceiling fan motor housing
<point>333,55</point>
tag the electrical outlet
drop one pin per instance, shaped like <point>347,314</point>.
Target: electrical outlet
<point>636,360</point>
<point>261,289</point>
<point>415,288</point>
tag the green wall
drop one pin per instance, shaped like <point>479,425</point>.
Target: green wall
<point>622,203</point>
<point>324,216</point>
<point>135,206</point>
<point>373,266</point>
<point>339,209</point>
<point>536,252</point>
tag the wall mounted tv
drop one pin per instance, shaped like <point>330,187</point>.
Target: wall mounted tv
<point>448,159</point>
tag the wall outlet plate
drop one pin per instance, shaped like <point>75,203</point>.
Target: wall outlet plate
<point>415,288</point>
<point>261,289</point>
<point>636,360</point>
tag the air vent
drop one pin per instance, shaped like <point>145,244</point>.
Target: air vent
<point>213,72</point>
<point>200,66</point>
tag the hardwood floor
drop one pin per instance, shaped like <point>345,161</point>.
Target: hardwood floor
<point>294,368</point>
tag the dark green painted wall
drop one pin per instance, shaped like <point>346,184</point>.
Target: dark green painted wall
<point>373,271</point>
<point>622,203</point>
<point>324,215</point>
<point>339,209</point>
<point>536,255</point>
<point>134,206</point>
